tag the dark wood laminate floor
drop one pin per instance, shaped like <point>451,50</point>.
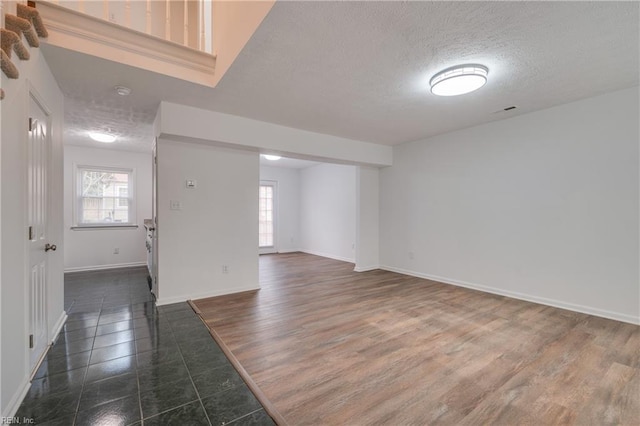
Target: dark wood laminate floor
<point>331,346</point>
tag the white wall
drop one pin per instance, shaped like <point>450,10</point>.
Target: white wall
<point>542,207</point>
<point>35,76</point>
<point>367,218</point>
<point>288,206</point>
<point>2,411</point>
<point>217,224</point>
<point>180,122</point>
<point>328,211</point>
<point>89,249</point>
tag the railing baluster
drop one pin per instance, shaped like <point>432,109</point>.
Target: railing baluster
<point>201,32</point>
<point>148,17</point>
<point>185,36</point>
<point>199,20</point>
<point>167,24</point>
<point>127,13</point>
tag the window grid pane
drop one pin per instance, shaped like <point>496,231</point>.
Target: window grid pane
<point>265,216</point>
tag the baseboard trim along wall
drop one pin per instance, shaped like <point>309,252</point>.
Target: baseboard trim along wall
<point>14,404</point>
<point>58,327</point>
<point>521,296</point>
<point>365,268</point>
<point>101,267</point>
<point>17,399</point>
<point>330,256</point>
<point>220,292</point>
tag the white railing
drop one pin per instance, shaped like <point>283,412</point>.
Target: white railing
<point>187,22</point>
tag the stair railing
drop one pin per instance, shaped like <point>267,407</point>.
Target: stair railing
<point>187,22</point>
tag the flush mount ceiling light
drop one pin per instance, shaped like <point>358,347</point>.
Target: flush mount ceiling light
<point>272,157</point>
<point>102,137</point>
<point>459,80</point>
<point>122,90</point>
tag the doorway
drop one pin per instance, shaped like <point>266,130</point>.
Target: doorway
<point>38,154</point>
<point>267,217</point>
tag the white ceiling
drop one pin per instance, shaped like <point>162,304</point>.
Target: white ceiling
<point>361,70</point>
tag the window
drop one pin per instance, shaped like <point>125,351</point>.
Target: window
<point>266,224</point>
<point>104,196</point>
<point>123,200</point>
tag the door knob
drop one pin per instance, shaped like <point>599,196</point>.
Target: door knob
<point>48,247</point>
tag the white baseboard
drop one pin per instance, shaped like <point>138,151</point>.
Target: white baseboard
<point>365,268</point>
<point>327,255</point>
<point>101,267</point>
<point>17,399</point>
<point>218,292</point>
<point>521,296</point>
<point>283,251</point>
<point>14,404</point>
<point>58,327</point>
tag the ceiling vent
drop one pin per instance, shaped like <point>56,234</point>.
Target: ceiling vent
<point>503,110</point>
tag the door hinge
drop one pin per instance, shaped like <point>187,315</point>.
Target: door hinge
<point>30,233</point>
<point>31,341</point>
<point>31,123</point>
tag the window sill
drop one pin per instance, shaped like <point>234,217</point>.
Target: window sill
<point>102,227</point>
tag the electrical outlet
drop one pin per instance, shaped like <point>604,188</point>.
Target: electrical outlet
<point>175,205</point>
<point>411,255</point>
<point>225,269</point>
<point>116,251</point>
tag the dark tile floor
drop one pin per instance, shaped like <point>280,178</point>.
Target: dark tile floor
<point>120,360</point>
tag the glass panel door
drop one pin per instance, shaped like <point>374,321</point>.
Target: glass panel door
<point>266,217</point>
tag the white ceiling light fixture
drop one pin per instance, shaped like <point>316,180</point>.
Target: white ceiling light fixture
<point>102,137</point>
<point>272,157</point>
<point>459,80</point>
<point>122,90</point>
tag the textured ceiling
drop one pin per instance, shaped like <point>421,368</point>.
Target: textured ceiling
<point>132,127</point>
<point>361,70</point>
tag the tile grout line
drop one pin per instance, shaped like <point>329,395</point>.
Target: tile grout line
<point>135,346</point>
<point>100,314</point>
<point>190,376</point>
<point>105,307</point>
<point>234,421</point>
<point>86,371</point>
<point>266,404</point>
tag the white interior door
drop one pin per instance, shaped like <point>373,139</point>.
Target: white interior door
<point>37,171</point>
<point>267,218</point>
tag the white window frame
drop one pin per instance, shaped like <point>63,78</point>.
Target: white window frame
<point>77,195</point>
<point>274,248</point>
